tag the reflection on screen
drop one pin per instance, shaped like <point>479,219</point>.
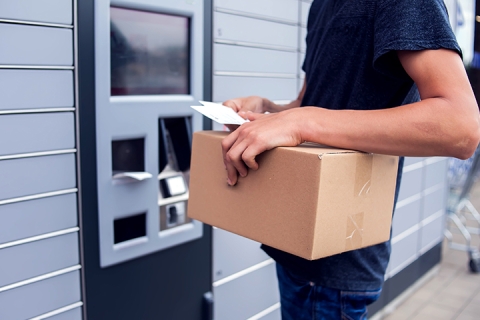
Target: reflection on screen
<point>149,53</point>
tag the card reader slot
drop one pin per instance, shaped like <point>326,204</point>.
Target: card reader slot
<point>175,143</point>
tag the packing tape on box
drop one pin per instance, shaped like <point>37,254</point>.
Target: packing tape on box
<point>354,238</point>
<point>363,175</point>
<point>363,182</point>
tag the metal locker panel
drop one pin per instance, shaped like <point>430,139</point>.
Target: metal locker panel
<point>300,63</point>
<point>303,41</point>
<point>49,11</point>
<point>406,217</point>
<point>300,82</point>
<point>283,10</point>
<point>33,259</point>
<point>35,217</point>
<point>246,59</point>
<point>32,45</point>
<point>37,132</point>
<point>403,251</point>
<point>432,233</point>
<point>225,87</point>
<point>74,314</point>
<point>435,173</point>
<point>246,296</point>
<point>31,89</point>
<point>242,29</point>
<point>304,10</point>
<point>274,315</point>
<point>40,297</point>
<point>233,253</point>
<point>28,176</point>
<point>411,160</point>
<point>412,182</point>
<point>434,202</point>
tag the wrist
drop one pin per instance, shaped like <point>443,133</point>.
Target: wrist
<point>310,124</point>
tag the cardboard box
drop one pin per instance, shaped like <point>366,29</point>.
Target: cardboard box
<point>310,201</point>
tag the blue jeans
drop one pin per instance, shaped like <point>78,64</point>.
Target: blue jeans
<point>304,300</point>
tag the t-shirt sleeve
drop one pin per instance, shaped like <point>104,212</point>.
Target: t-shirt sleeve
<point>409,25</point>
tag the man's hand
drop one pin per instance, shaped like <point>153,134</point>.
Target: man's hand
<point>244,105</point>
<point>263,132</point>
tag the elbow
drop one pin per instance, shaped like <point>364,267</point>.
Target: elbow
<point>467,141</point>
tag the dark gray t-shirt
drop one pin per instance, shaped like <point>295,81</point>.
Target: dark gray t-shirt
<point>351,63</point>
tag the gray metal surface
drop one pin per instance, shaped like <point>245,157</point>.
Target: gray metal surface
<point>21,177</point>
<point>237,28</point>
<point>247,295</point>
<point>432,233</point>
<point>304,10</point>
<point>36,132</point>
<point>33,259</point>
<point>277,9</point>
<point>30,89</point>
<point>403,250</point>
<point>227,87</point>
<point>412,184</point>
<point>434,202</point>
<point>301,58</point>
<point>406,217</point>
<point>435,173</point>
<point>300,82</point>
<point>411,160</point>
<point>40,297</point>
<point>246,59</point>
<point>233,253</point>
<point>32,45</point>
<point>303,42</point>
<point>50,11</point>
<point>74,314</point>
<point>32,218</point>
<point>274,315</point>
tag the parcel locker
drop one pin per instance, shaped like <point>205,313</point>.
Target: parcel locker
<point>36,89</point>
<point>31,300</point>
<point>37,132</point>
<point>35,45</point>
<point>277,10</point>
<point>142,68</point>
<point>43,11</point>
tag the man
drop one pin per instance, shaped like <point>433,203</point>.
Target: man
<point>382,76</point>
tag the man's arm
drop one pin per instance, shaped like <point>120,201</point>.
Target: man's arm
<point>260,105</point>
<point>444,123</point>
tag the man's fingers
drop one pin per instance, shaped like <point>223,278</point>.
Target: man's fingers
<point>232,104</point>
<point>248,157</point>
<point>252,116</point>
<point>234,157</point>
<point>227,143</point>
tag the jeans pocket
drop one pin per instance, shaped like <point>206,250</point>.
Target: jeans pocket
<point>354,303</point>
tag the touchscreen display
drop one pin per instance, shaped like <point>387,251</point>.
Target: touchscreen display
<point>150,53</point>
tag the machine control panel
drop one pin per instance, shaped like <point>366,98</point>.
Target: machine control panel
<point>149,69</point>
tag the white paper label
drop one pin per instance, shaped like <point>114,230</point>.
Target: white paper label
<point>219,113</point>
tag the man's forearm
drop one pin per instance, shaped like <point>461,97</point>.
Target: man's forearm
<point>427,128</point>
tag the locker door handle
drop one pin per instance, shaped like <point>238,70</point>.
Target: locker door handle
<point>132,176</point>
